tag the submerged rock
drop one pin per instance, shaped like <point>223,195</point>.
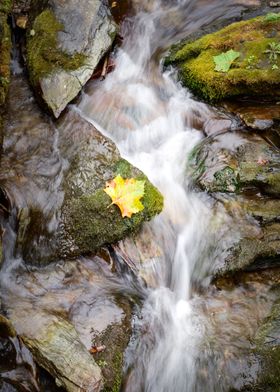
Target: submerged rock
<point>256,71</point>
<point>64,46</point>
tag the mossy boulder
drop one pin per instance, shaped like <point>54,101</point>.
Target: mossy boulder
<point>253,73</point>
<point>115,337</point>
<point>61,55</point>
<point>85,219</point>
<point>57,188</point>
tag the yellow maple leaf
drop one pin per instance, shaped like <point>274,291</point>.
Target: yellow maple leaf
<point>126,194</point>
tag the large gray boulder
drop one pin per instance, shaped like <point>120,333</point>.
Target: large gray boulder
<point>64,45</point>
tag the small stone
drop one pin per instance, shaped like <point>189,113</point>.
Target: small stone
<point>254,123</point>
<point>21,21</point>
<point>274,4</point>
<point>32,33</point>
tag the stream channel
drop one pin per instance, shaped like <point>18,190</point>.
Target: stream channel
<point>187,334</point>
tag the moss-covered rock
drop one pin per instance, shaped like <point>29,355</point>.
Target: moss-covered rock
<point>92,221</point>
<point>68,165</point>
<point>62,56</point>
<point>253,73</point>
<point>44,56</point>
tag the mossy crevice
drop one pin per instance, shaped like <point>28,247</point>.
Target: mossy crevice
<point>43,53</point>
<point>246,77</point>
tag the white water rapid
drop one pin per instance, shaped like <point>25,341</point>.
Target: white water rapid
<point>154,122</point>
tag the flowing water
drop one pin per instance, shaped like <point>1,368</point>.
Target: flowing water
<point>186,337</point>
<point>156,123</point>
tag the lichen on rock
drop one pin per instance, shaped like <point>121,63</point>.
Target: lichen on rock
<point>251,74</point>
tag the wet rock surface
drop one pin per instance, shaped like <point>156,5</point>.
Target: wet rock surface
<point>267,350</point>
<point>61,55</point>
<point>258,116</point>
<point>234,162</point>
<point>57,347</point>
<point>63,311</point>
<point>241,170</point>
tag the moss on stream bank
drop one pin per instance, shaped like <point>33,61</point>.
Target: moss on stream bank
<point>253,73</point>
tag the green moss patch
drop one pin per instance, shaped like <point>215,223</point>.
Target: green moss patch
<point>5,49</point>
<point>43,53</point>
<point>6,6</point>
<point>92,221</point>
<point>253,73</point>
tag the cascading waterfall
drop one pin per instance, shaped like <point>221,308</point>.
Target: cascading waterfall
<point>151,118</point>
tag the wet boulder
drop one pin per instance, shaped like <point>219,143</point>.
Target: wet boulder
<point>64,45</point>
<point>241,171</point>
<point>254,72</point>
<point>234,162</point>
<point>57,189</point>
<point>85,219</point>
<point>72,318</point>
<point>57,348</point>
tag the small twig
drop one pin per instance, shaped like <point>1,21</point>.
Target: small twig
<point>104,69</point>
